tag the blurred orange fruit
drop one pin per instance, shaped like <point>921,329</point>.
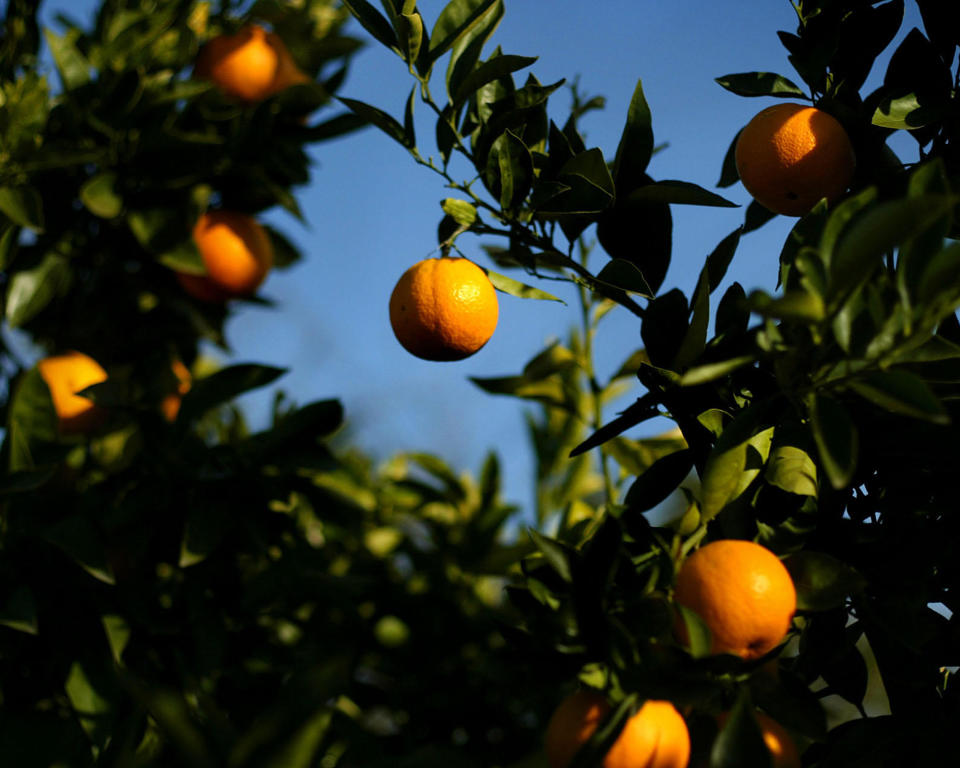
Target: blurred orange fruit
<point>655,736</point>
<point>65,375</point>
<point>743,593</point>
<point>789,156</point>
<point>170,405</point>
<point>443,309</point>
<point>249,65</point>
<point>236,252</point>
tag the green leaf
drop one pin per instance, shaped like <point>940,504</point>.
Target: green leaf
<point>492,69</point>
<point>740,743</point>
<point>302,748</point>
<point>462,212</point>
<point>90,704</point>
<point>454,21</point>
<point>792,469</point>
<point>735,460</point>
<point>837,439</point>
<point>515,288</point>
<point>73,67</point>
<point>761,84</point>
<point>30,290</point>
<point>31,420</point>
<point>224,385</point>
<point>699,639</point>
<point>637,413</point>
<point>171,713</point>
<point>381,119</point>
<point>204,530</point>
<point>719,260</point>
<point>509,170</point>
<point>756,216</point>
<point>118,634</point>
<point>680,193</point>
<point>877,232</point>
<point>374,22</point>
<point>636,144</point>
<point>159,230</point>
<point>335,126</point>
<point>469,44</point>
<point>20,611</point>
<point>550,391</point>
<point>583,186</point>
<point>659,481</point>
<point>623,274</point>
<point>901,392</point>
<point>729,175</point>
<point>9,244</point>
<point>793,305</point>
<point>701,374</point>
<point>410,32</point>
<point>695,338</point>
<point>184,257</point>
<point>904,112</point>
<point>80,540</point>
<point>23,206</point>
<point>822,581</point>
<point>100,196</point>
<point>554,553</point>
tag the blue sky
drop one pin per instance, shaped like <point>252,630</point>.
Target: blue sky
<point>372,212</point>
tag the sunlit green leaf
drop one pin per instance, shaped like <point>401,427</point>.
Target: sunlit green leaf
<point>761,84</point>
<point>515,288</point>
<point>23,206</point>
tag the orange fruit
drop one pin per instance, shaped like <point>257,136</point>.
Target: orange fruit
<point>243,65</point>
<point>443,309</point>
<point>249,65</point>
<point>789,156</point>
<point>170,405</point>
<point>65,375</point>
<point>236,253</point>
<point>655,736</point>
<point>782,748</point>
<point>742,592</point>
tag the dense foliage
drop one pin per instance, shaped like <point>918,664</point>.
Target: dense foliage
<point>187,592</point>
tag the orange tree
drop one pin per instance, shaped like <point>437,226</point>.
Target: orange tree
<point>816,420</point>
<point>176,590</point>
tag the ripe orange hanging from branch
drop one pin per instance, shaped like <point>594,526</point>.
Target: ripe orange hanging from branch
<point>655,736</point>
<point>789,156</point>
<point>743,593</point>
<point>250,65</point>
<point>237,255</point>
<point>443,309</point>
<point>65,375</point>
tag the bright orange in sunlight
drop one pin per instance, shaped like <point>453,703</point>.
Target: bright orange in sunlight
<point>743,593</point>
<point>65,375</point>
<point>655,736</point>
<point>236,252</point>
<point>789,156</point>
<point>249,65</point>
<point>443,309</point>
